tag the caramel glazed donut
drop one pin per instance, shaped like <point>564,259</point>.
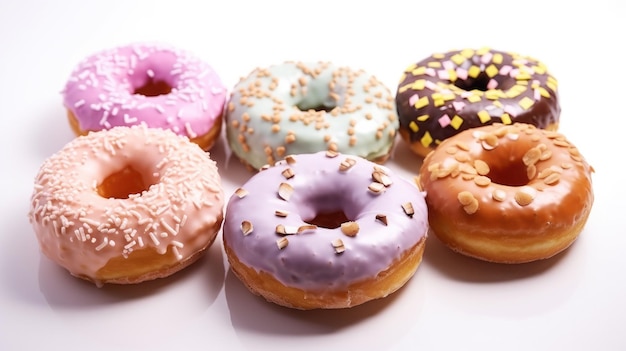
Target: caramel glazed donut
<point>508,194</point>
<point>445,94</point>
<point>296,108</point>
<point>325,231</point>
<point>127,205</point>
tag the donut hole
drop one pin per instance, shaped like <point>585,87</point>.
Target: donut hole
<point>153,88</point>
<point>123,183</point>
<point>307,106</point>
<point>330,220</point>
<point>481,82</point>
<point>513,173</point>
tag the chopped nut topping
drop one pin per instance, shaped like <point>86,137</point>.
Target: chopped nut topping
<point>286,230</point>
<point>481,167</point>
<point>531,172</point>
<point>284,191</point>
<point>282,243</point>
<point>382,218</point>
<point>531,156</point>
<point>482,180</point>
<point>498,195</point>
<point>382,178</point>
<point>281,213</point>
<point>552,178</point>
<point>288,173</point>
<point>347,164</point>
<point>306,227</point>
<point>472,207</point>
<point>350,228</point>
<point>290,159</point>
<point>465,198</point>
<point>246,227</point>
<point>241,192</point>
<point>331,153</point>
<point>338,245</point>
<point>408,209</point>
<point>525,195</point>
<point>376,188</point>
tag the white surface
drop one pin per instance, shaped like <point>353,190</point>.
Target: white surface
<point>574,301</point>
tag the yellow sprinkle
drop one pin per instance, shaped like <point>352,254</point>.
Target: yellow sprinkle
<point>467,53</point>
<point>543,92</point>
<point>418,84</point>
<point>539,69</point>
<point>411,67</point>
<point>497,59</point>
<point>439,102</point>
<point>419,70</point>
<point>423,118</point>
<point>526,102</point>
<point>426,139</point>
<point>422,102</point>
<point>497,103</point>
<point>413,126</point>
<point>505,118</point>
<point>491,71</point>
<point>473,98</point>
<point>523,75</point>
<point>449,96</point>
<point>438,56</point>
<point>452,75</point>
<point>473,71</point>
<point>482,51</point>
<point>404,88</point>
<point>483,116</point>
<point>493,94</point>
<point>434,64</point>
<point>458,59</point>
<point>402,77</point>
<point>456,122</point>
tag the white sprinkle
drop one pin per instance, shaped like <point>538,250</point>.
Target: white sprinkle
<point>177,244</point>
<point>79,103</point>
<point>168,227</point>
<point>103,244</point>
<point>150,73</point>
<point>159,108</point>
<point>154,238</point>
<point>190,131</point>
<point>178,255</point>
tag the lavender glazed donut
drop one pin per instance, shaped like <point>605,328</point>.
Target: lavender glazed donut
<point>156,85</point>
<point>325,231</point>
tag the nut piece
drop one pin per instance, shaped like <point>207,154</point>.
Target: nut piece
<point>288,173</point>
<point>246,227</point>
<point>376,188</point>
<point>338,245</point>
<point>498,195</point>
<point>281,213</point>
<point>382,218</point>
<point>290,159</point>
<point>408,209</point>
<point>469,202</point>
<point>241,192</point>
<point>525,195</point>
<point>284,191</point>
<point>282,243</point>
<point>482,168</point>
<point>350,228</point>
<point>381,177</point>
<point>306,227</point>
<point>347,164</point>
<point>286,230</point>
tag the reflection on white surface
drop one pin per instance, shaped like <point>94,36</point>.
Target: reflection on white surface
<point>573,301</point>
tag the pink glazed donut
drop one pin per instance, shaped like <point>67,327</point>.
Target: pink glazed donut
<point>325,231</point>
<point>155,85</point>
<point>127,205</point>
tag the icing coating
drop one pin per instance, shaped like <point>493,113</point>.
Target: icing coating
<point>507,193</point>
<point>445,94</point>
<point>312,259</point>
<point>102,91</point>
<point>82,230</point>
<point>297,107</point>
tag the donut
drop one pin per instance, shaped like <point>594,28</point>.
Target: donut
<point>153,84</point>
<point>296,108</point>
<point>445,94</point>
<point>126,205</point>
<point>507,193</point>
<point>325,231</point>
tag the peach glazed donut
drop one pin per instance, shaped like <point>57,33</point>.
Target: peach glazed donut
<point>156,85</point>
<point>295,108</point>
<point>507,193</point>
<point>325,231</point>
<point>127,205</point>
<point>445,94</point>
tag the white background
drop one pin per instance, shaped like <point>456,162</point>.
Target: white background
<point>574,301</point>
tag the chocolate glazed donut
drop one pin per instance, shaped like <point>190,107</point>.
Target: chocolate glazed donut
<point>445,94</point>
